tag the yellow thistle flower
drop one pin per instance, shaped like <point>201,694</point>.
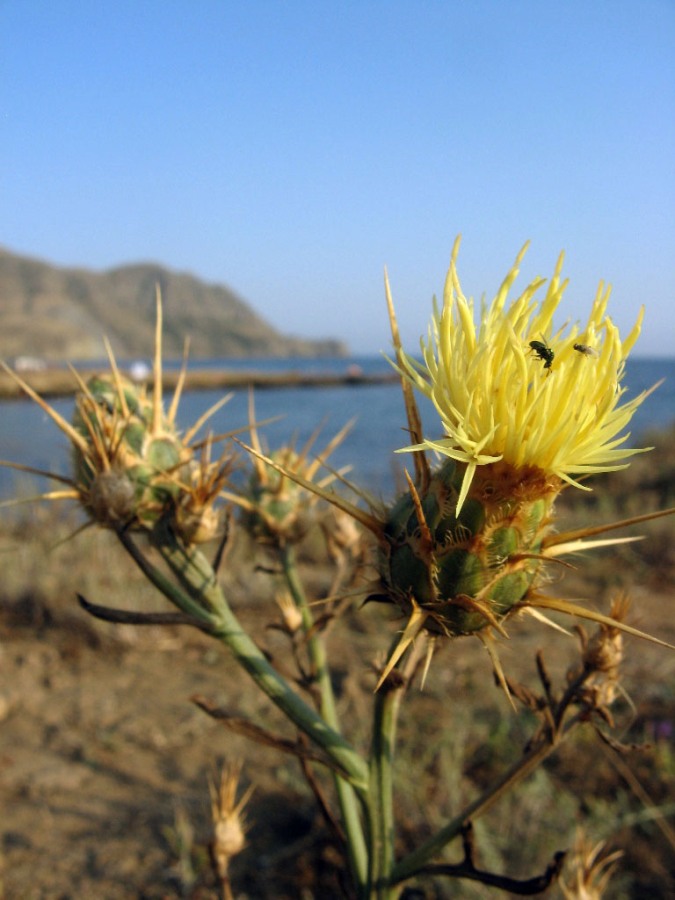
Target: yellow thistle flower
<point>524,408</point>
<point>513,389</point>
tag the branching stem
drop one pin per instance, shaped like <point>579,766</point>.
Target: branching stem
<point>199,594</point>
<point>356,845</point>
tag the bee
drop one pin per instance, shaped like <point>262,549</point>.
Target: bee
<point>585,350</point>
<point>544,352</point>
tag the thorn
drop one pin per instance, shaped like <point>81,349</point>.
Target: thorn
<point>415,624</point>
<point>419,512</point>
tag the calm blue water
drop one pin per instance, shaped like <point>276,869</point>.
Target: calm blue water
<point>28,436</point>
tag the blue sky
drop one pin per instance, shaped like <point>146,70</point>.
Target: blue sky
<point>293,149</point>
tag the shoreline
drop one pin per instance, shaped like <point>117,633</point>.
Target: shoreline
<point>62,382</point>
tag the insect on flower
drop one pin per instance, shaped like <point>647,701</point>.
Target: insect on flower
<point>585,350</point>
<point>544,352</point>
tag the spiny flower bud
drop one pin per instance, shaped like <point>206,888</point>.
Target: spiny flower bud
<point>131,466</point>
<point>466,570</point>
<point>280,501</point>
<point>131,460</point>
<point>195,522</point>
<point>278,508</point>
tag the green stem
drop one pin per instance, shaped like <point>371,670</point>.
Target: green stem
<point>198,581</point>
<point>386,709</point>
<point>356,845</point>
<point>382,796</point>
<point>163,584</point>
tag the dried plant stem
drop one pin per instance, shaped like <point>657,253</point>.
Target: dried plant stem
<point>226,888</point>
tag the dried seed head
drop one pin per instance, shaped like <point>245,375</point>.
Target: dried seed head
<point>229,824</point>
<point>344,537</point>
<point>604,652</point>
<point>602,657</point>
<point>587,873</point>
<point>290,614</point>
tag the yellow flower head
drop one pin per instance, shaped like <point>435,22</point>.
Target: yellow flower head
<point>513,389</point>
<point>524,408</point>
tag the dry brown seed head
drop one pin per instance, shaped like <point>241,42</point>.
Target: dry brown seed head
<point>587,873</point>
<point>290,614</point>
<point>229,824</point>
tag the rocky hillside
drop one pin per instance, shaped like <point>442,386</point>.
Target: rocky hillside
<point>57,313</point>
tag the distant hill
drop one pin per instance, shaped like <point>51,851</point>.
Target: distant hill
<point>58,313</point>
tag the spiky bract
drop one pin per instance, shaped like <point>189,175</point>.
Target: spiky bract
<point>468,570</point>
<point>130,467</point>
<point>277,507</point>
<point>131,464</point>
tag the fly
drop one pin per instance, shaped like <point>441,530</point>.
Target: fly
<point>585,350</point>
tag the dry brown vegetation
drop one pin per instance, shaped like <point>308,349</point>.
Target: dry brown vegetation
<point>104,759</point>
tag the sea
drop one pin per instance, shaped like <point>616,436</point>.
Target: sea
<point>294,414</point>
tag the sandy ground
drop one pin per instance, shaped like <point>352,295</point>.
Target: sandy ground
<point>104,759</point>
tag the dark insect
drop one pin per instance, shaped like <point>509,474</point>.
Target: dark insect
<point>585,350</point>
<point>544,352</point>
